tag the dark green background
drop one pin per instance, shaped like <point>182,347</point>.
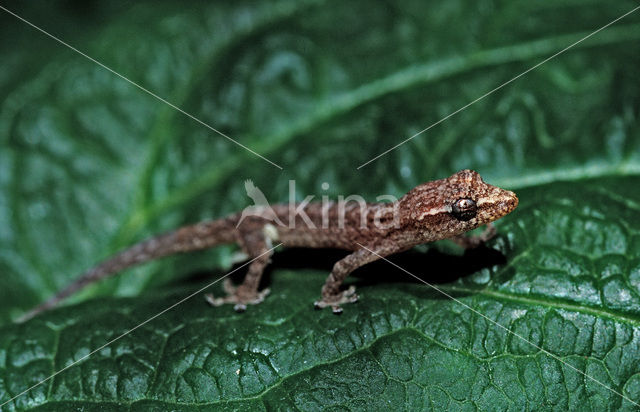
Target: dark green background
<point>90,164</point>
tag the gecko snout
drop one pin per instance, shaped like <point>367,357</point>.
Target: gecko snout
<point>499,203</point>
<point>508,202</point>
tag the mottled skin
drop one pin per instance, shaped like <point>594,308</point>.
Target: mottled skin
<point>441,209</point>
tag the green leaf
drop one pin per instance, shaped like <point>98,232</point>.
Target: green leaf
<point>89,164</point>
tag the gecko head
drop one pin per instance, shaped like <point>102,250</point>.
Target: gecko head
<point>457,204</point>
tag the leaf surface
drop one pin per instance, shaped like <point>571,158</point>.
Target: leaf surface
<point>90,164</point>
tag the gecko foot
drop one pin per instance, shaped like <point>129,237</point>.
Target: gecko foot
<point>238,295</point>
<point>348,296</point>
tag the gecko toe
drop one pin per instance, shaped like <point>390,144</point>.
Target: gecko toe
<point>347,296</point>
<point>239,297</point>
<point>213,301</point>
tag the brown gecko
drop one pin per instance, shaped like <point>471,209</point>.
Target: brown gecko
<point>441,209</point>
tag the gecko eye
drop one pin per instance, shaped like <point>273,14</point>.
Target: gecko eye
<point>464,209</point>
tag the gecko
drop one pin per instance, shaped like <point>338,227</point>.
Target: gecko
<point>439,209</point>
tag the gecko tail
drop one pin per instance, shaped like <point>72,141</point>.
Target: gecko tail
<point>43,307</point>
<point>86,279</point>
<point>187,239</point>
<point>140,253</point>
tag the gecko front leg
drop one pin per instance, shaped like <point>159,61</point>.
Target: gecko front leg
<point>331,293</point>
<point>255,244</point>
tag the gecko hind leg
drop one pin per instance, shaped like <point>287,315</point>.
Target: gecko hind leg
<point>257,245</point>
